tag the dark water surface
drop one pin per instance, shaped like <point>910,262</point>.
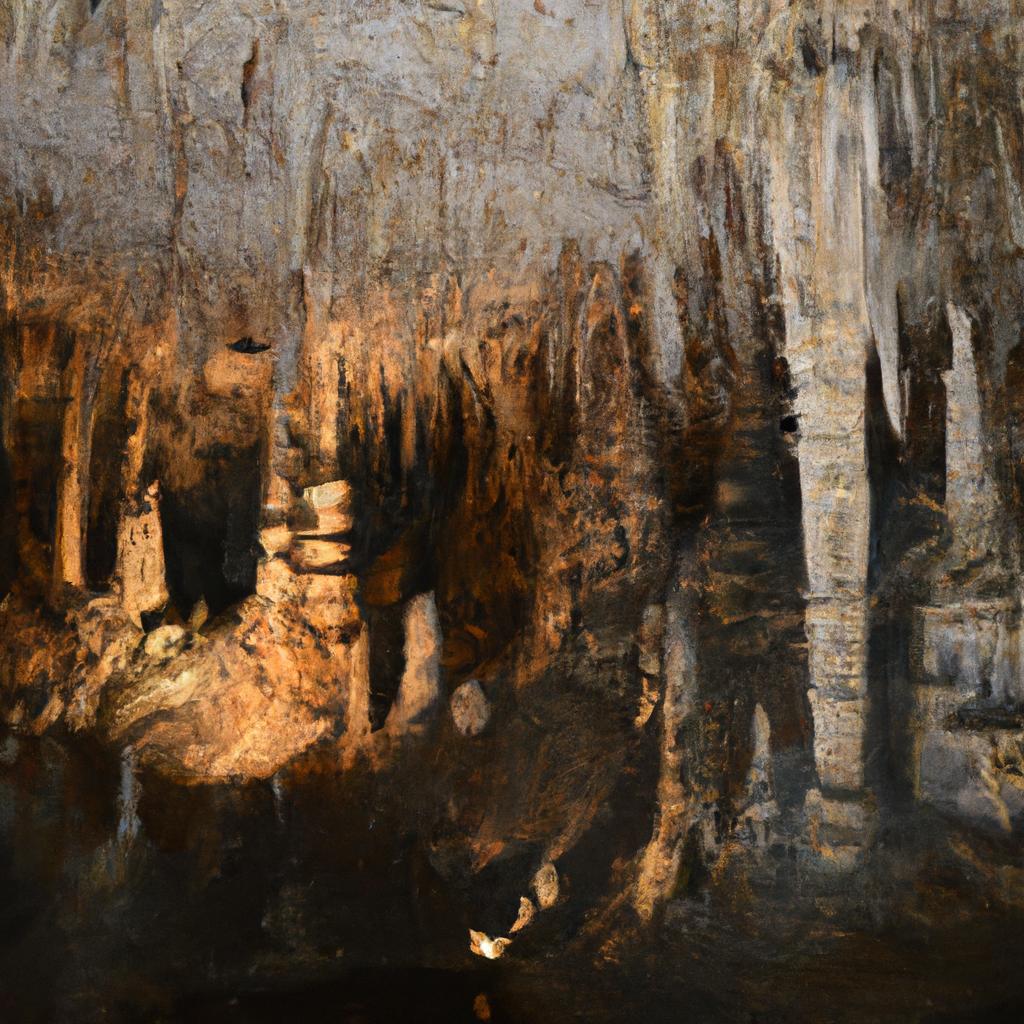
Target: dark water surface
<point>133,899</point>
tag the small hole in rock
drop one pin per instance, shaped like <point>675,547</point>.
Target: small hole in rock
<point>248,71</point>
<point>247,346</point>
<point>152,620</point>
<point>93,5</point>
<point>789,424</point>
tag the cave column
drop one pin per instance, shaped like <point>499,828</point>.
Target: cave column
<point>816,158</point>
<point>836,516</point>
<point>140,570</point>
<point>834,482</point>
<point>72,482</point>
<point>972,504</point>
<point>967,645</point>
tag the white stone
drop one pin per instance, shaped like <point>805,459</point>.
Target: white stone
<point>545,885</point>
<point>164,642</point>
<point>470,708</point>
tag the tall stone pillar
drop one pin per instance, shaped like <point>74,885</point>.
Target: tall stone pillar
<point>140,568</point>
<point>972,504</point>
<point>72,483</point>
<point>815,139</point>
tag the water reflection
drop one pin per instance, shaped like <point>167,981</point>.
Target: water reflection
<point>130,898</point>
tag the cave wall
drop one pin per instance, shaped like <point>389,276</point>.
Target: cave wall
<point>597,309</point>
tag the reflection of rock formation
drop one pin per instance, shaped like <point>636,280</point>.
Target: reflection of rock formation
<point>584,372</point>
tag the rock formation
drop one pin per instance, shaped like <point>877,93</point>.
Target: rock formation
<point>573,406</point>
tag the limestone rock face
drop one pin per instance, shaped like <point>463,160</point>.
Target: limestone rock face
<point>652,368</point>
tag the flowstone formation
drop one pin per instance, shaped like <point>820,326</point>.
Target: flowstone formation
<point>603,420</point>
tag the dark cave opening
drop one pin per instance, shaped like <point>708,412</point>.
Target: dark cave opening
<point>109,440</point>
<point>758,545</point>
<point>248,346</point>
<point>37,467</point>
<point>388,543</point>
<point>210,532</point>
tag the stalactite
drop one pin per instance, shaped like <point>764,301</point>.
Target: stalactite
<point>583,414</point>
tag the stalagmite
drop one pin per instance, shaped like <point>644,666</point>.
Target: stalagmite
<point>650,644</point>
<point>545,885</point>
<point>69,539</point>
<point>527,912</point>
<point>483,945</point>
<point>760,784</point>
<point>677,799</point>
<point>420,689</point>
<point>140,557</point>
<point>357,710</point>
<point>760,808</point>
<point>972,505</point>
<point>820,234</point>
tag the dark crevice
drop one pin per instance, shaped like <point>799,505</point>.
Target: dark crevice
<point>750,632</point>
<point>38,447</point>
<point>248,71</point>
<point>387,659</point>
<point>889,624</point>
<point>8,525</point>
<point>1014,391</point>
<point>109,440</point>
<point>813,50</point>
<point>8,511</point>
<point>248,347</point>
<point>925,353</point>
